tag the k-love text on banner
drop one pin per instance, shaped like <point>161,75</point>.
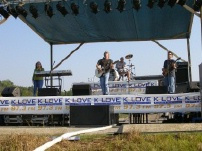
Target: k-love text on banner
<point>139,103</point>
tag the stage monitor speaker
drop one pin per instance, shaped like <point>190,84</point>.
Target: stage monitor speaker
<point>92,115</point>
<point>48,92</point>
<point>10,92</point>
<point>156,90</point>
<point>182,72</point>
<point>83,89</point>
<point>182,87</point>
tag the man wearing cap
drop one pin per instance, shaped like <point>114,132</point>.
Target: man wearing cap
<point>104,65</point>
<point>122,70</point>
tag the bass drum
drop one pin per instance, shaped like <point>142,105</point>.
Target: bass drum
<point>114,75</point>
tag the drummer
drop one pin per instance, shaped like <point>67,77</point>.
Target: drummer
<point>122,70</point>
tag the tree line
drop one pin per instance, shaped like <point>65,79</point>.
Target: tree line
<point>25,91</point>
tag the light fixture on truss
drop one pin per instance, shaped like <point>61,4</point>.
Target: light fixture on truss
<point>94,7</point>
<point>181,2</point>
<point>107,6</point>
<point>33,11</point>
<point>49,10</point>
<point>4,13</point>
<point>161,3</point>
<point>61,8</point>
<point>136,4</point>
<point>197,5</point>
<point>75,8</point>
<point>12,11</point>
<point>20,10</point>
<point>121,5</point>
<point>171,3</point>
<point>150,3</point>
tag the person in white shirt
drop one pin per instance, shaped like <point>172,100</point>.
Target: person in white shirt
<point>122,70</point>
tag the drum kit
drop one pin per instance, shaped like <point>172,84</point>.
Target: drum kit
<point>130,65</point>
<point>117,75</point>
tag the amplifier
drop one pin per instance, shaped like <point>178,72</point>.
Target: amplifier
<point>48,92</point>
<point>92,115</point>
<point>83,89</point>
<point>156,90</point>
<point>182,87</point>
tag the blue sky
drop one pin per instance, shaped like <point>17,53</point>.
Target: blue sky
<point>21,48</point>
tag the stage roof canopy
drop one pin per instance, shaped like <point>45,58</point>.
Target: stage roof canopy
<point>157,23</point>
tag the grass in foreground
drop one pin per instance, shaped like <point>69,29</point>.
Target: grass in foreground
<point>125,142</point>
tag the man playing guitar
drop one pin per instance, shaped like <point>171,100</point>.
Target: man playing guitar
<point>104,65</point>
<point>169,73</point>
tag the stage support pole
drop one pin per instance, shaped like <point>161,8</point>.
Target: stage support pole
<point>51,62</point>
<point>189,61</point>
<point>199,71</point>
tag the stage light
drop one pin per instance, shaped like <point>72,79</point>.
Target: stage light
<point>181,2</point>
<point>121,4</point>
<point>62,9</point>
<point>20,10</point>
<point>94,7</point>
<point>12,11</point>
<point>49,10</point>
<point>136,4</point>
<point>33,11</point>
<point>197,5</point>
<point>161,3</point>
<point>151,3</point>
<point>171,3</point>
<point>4,13</point>
<point>107,6</point>
<point>75,8</point>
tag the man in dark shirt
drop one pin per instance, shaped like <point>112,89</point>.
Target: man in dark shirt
<point>104,65</point>
<point>169,73</point>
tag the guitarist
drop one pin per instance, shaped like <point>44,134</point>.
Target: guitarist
<point>104,65</point>
<point>169,73</point>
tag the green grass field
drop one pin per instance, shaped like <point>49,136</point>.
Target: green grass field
<point>124,142</point>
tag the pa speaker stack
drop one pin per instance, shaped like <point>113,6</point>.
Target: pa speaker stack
<point>182,72</point>
<point>82,89</point>
<point>10,92</point>
<point>48,92</point>
<point>182,78</point>
<point>92,115</point>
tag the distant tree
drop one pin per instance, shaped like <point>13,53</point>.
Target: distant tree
<point>6,83</point>
<point>26,91</point>
<point>23,90</point>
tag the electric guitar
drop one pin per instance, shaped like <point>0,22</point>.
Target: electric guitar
<point>166,71</point>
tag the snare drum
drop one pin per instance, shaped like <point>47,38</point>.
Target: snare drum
<point>123,71</point>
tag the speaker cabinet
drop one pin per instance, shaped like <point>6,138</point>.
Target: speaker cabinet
<point>92,115</point>
<point>48,92</point>
<point>10,92</point>
<point>156,90</point>
<point>182,87</point>
<point>182,72</point>
<point>84,89</point>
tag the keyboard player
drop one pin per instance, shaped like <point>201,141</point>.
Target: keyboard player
<point>37,81</point>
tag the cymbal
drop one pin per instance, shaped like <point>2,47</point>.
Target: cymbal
<point>129,56</point>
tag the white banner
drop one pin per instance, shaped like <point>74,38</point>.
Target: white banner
<point>122,87</point>
<point>139,103</point>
